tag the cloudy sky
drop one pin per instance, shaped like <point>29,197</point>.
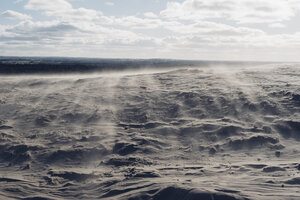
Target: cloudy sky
<point>180,29</point>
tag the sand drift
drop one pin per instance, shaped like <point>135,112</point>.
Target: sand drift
<point>186,133</point>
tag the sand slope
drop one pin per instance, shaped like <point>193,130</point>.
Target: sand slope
<point>216,133</point>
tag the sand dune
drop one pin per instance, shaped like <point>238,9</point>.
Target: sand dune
<point>184,133</point>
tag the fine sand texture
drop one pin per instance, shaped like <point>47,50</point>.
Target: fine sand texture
<point>183,133</point>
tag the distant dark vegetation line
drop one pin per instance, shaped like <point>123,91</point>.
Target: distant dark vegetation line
<point>21,65</point>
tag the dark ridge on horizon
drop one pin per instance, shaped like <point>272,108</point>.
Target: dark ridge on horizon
<point>54,65</point>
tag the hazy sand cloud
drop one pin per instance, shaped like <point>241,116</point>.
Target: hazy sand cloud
<point>10,14</point>
<point>242,11</point>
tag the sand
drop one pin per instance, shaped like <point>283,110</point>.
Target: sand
<point>185,133</point>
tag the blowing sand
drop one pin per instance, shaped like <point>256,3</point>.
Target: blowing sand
<point>215,133</point>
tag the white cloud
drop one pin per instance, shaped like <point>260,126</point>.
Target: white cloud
<point>53,5</point>
<point>62,33</point>
<point>150,15</point>
<point>134,22</point>
<point>17,1</point>
<point>10,14</point>
<point>241,11</point>
<point>63,10</point>
<point>211,28</point>
<point>182,30</point>
<point>277,25</point>
<point>108,3</point>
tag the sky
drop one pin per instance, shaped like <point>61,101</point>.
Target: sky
<point>245,30</point>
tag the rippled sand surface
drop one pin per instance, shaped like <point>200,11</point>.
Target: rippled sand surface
<point>216,133</point>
